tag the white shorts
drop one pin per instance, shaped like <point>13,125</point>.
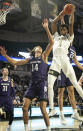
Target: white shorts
<point>62,62</point>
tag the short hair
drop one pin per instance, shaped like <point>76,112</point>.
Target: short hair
<point>66,26</point>
<point>4,68</point>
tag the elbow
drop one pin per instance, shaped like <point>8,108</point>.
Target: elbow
<point>52,42</point>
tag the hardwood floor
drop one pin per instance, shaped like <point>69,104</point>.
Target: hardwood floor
<point>39,125</point>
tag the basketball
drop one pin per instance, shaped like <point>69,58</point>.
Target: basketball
<point>68,9</point>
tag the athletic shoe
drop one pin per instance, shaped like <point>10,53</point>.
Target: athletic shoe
<point>81,126</point>
<point>62,118</point>
<point>77,117</point>
<point>26,127</point>
<point>52,112</point>
<point>48,129</point>
<point>8,128</point>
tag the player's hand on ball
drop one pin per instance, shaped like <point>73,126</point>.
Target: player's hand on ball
<point>69,9</point>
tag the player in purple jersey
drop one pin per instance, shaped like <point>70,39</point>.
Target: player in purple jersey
<point>6,91</point>
<point>62,82</point>
<point>38,84</point>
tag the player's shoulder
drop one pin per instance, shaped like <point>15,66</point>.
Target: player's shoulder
<point>70,37</point>
<point>56,34</point>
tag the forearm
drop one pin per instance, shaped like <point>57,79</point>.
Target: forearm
<point>50,37</point>
<point>14,62</point>
<point>71,23</point>
<point>62,21</point>
<point>61,14</point>
<point>54,22</point>
<point>78,65</point>
<point>71,19</point>
<point>10,60</point>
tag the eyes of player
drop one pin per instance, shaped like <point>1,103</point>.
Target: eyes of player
<point>63,29</point>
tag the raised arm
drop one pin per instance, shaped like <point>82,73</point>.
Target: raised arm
<point>50,37</point>
<point>77,62</point>
<point>71,21</point>
<point>54,22</point>
<point>10,60</point>
<point>62,20</point>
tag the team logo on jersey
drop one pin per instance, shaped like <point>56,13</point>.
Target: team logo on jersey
<point>45,88</point>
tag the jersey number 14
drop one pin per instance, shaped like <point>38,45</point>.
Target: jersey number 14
<point>34,67</point>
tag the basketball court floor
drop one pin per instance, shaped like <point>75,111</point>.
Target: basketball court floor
<point>39,125</point>
<point>36,122</point>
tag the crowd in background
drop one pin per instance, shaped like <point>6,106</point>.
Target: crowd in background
<point>21,83</point>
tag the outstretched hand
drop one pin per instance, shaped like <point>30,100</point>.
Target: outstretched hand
<point>14,102</point>
<point>3,51</point>
<point>45,24</point>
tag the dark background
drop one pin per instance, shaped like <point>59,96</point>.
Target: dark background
<point>23,28</point>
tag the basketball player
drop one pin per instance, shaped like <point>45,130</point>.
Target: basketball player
<point>38,85</point>
<point>6,88</point>
<point>60,57</point>
<point>63,82</point>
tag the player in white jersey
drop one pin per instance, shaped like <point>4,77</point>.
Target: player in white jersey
<point>60,60</point>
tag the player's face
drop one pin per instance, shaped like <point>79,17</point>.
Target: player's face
<point>38,51</point>
<point>63,31</point>
<point>5,72</point>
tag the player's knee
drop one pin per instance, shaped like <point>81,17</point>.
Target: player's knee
<point>71,91</point>
<point>60,92</point>
<point>50,85</point>
<point>50,88</point>
<point>51,80</point>
<point>24,109</point>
